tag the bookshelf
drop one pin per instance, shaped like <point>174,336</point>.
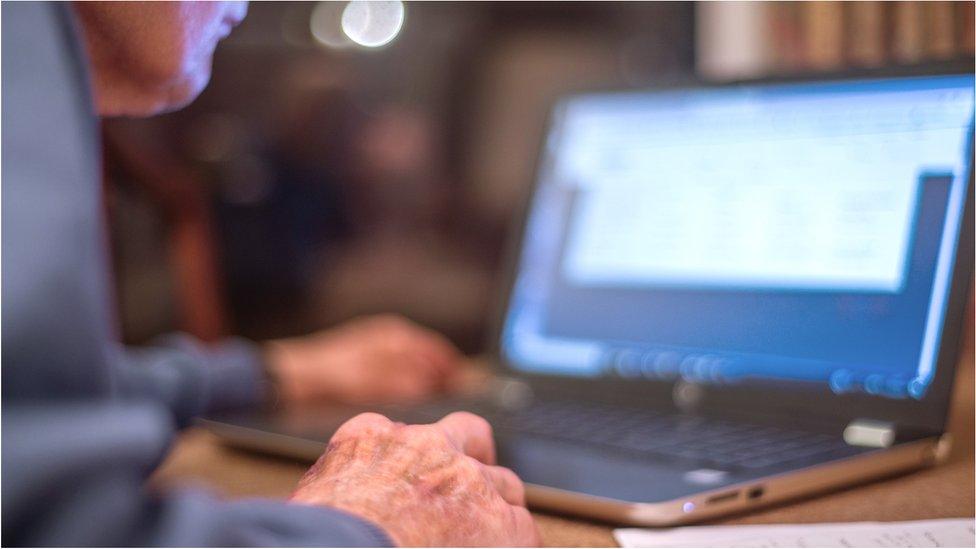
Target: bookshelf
<point>752,39</point>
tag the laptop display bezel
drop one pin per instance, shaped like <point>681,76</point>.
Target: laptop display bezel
<point>796,401</point>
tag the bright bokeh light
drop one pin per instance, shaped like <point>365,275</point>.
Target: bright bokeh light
<point>372,23</point>
<point>325,25</point>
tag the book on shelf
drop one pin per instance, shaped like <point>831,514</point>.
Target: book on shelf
<point>750,39</point>
<point>865,33</point>
<point>823,35</point>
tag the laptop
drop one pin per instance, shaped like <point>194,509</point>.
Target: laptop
<point>722,297</point>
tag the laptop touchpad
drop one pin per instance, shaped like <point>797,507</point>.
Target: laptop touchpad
<point>598,472</point>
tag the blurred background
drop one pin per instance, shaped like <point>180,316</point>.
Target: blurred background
<point>317,179</point>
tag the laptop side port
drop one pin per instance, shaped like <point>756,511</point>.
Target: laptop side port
<point>723,497</point>
<point>755,492</point>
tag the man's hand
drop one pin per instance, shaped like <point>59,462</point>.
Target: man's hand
<point>426,485</point>
<point>371,359</point>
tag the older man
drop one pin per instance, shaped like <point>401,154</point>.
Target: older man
<point>84,421</point>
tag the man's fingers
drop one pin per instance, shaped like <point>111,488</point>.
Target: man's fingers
<point>411,337</point>
<point>422,366</point>
<point>526,533</point>
<point>470,434</point>
<point>411,387</point>
<point>440,359</point>
<point>363,424</point>
<point>507,483</point>
<point>440,349</point>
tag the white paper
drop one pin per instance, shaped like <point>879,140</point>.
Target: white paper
<point>921,533</point>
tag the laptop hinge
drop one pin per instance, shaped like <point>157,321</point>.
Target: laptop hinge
<point>870,433</point>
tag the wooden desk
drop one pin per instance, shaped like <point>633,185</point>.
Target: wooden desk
<point>944,491</point>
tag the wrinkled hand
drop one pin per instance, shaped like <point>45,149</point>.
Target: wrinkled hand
<point>376,358</point>
<point>426,485</point>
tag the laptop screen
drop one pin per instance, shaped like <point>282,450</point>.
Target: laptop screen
<point>779,232</point>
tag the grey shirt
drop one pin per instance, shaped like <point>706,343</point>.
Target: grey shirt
<point>85,420</point>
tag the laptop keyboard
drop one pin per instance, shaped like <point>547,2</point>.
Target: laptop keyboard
<point>707,442</point>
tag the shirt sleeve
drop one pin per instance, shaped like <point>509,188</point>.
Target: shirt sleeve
<point>73,475</point>
<point>191,379</point>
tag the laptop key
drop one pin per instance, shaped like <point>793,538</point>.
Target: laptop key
<point>721,443</point>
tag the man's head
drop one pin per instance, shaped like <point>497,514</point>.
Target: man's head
<point>151,57</point>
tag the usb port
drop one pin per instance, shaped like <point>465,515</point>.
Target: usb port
<point>725,496</point>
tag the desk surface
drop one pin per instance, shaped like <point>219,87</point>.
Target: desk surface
<point>945,491</point>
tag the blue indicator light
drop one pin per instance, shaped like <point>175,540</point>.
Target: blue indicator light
<point>688,507</point>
